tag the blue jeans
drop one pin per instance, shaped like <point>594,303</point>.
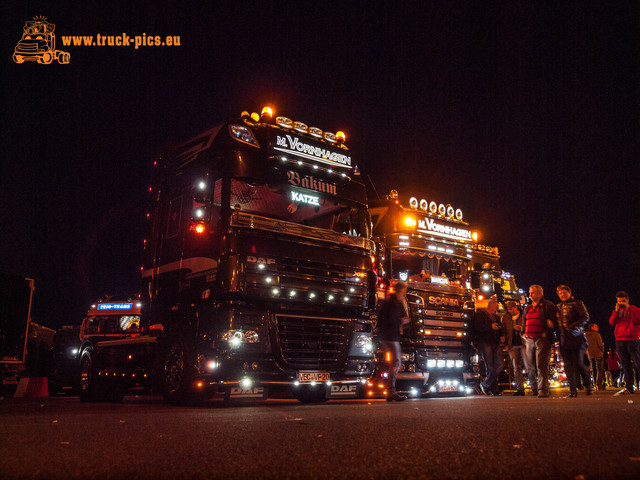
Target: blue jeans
<point>518,358</point>
<point>629,353</point>
<point>538,352</point>
<point>492,357</point>
<point>393,348</point>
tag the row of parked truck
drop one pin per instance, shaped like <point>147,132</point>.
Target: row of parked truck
<point>264,265</point>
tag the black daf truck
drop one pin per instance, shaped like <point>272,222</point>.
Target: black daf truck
<point>428,246</point>
<point>257,272</point>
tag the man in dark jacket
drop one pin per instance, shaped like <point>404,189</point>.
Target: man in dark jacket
<point>538,324</point>
<point>572,319</point>
<point>393,314</point>
<point>487,327</point>
<point>626,321</point>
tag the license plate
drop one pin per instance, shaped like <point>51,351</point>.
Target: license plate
<point>448,388</point>
<point>313,376</point>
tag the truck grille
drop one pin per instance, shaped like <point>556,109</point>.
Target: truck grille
<point>314,343</point>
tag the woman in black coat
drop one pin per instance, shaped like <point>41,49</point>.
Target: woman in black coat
<point>572,320</point>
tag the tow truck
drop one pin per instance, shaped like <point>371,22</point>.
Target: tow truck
<point>427,245</point>
<point>257,267</point>
<point>38,44</point>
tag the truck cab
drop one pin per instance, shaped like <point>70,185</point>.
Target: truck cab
<point>428,249</point>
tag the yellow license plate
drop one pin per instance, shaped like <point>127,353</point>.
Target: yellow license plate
<point>313,376</point>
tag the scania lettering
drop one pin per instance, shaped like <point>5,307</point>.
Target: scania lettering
<point>257,267</point>
<point>427,248</point>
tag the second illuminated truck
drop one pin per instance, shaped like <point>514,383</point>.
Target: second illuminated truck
<point>257,270</point>
<point>428,246</point>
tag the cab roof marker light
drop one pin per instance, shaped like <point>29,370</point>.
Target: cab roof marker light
<point>300,127</point>
<point>413,202</point>
<point>340,137</point>
<point>266,113</point>
<point>284,122</point>
<point>329,137</point>
<point>424,205</point>
<point>255,117</point>
<point>315,132</point>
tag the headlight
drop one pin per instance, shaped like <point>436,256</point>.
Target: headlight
<point>237,337</point>
<point>441,363</point>
<point>459,363</point>
<point>242,134</point>
<point>431,363</point>
<point>363,341</point>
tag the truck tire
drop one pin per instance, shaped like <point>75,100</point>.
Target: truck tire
<point>46,58</point>
<point>175,368</point>
<point>307,394</point>
<point>63,57</point>
<point>90,388</point>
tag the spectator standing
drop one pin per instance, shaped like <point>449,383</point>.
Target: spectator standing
<point>512,330</point>
<point>626,320</point>
<point>487,327</point>
<point>613,364</point>
<point>393,314</point>
<point>572,319</point>
<point>595,351</point>
<point>539,324</point>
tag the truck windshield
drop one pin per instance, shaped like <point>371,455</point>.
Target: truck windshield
<point>321,210</point>
<point>104,324</point>
<point>428,268</point>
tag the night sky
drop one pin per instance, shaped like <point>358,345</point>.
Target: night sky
<point>524,116</point>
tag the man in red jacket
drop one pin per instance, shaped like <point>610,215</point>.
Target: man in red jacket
<point>626,321</point>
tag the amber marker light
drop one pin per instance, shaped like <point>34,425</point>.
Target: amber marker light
<point>267,113</point>
<point>410,221</point>
<point>341,137</point>
<point>474,236</point>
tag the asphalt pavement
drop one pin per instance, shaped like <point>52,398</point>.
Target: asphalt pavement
<point>504,437</point>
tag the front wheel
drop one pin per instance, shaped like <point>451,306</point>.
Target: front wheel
<point>175,368</point>
<point>90,389</point>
